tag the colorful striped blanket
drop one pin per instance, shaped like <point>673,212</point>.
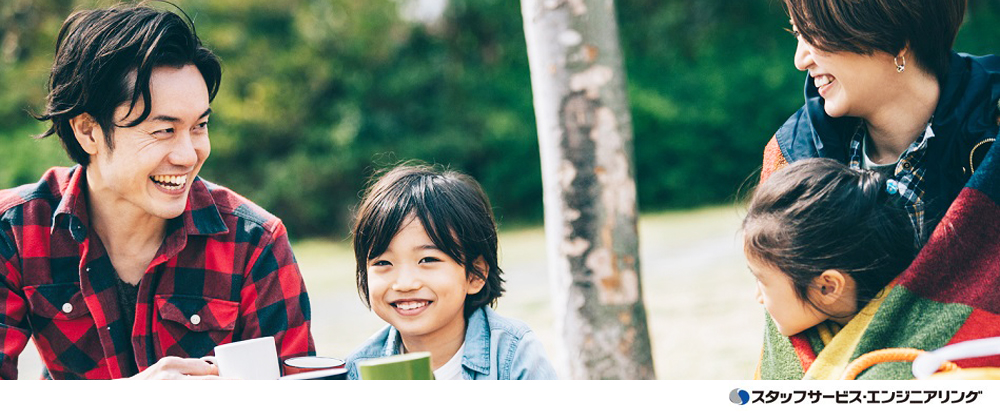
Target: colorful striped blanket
<point>951,293</point>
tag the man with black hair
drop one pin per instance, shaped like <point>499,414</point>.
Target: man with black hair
<point>129,264</point>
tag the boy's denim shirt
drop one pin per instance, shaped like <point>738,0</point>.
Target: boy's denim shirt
<point>495,348</point>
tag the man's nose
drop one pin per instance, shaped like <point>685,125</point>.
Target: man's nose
<point>184,152</point>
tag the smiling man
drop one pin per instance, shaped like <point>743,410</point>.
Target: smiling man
<point>129,264</point>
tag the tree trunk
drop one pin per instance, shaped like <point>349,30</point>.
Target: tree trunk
<point>585,135</point>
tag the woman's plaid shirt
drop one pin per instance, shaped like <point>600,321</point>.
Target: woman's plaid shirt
<point>225,272</point>
<point>907,181</point>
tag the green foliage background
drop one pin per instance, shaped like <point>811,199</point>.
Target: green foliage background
<point>317,94</point>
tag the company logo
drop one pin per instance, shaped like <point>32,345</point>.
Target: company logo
<point>739,396</point>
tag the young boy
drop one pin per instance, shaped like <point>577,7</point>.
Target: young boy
<point>425,243</point>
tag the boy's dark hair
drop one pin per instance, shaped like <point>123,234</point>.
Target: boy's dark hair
<point>455,213</point>
<point>104,58</point>
<point>864,26</point>
<point>817,214</point>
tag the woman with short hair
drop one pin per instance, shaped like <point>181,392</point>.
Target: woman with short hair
<point>884,91</point>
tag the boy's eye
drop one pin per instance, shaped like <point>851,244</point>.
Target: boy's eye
<point>429,259</point>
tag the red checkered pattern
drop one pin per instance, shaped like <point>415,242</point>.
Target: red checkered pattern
<point>224,273</point>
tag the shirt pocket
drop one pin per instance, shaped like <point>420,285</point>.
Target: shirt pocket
<point>193,326</point>
<point>62,302</point>
<point>59,315</point>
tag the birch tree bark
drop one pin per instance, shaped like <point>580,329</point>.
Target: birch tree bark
<point>585,135</point>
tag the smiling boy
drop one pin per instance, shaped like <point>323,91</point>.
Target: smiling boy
<point>425,245</point>
<point>129,264</point>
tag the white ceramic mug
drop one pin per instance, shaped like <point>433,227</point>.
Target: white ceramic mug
<point>254,359</point>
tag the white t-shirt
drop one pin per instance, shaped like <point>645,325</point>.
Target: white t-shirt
<point>887,170</point>
<point>453,369</point>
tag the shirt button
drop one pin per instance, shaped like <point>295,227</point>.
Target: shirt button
<point>906,165</point>
<point>67,308</point>
<point>195,319</point>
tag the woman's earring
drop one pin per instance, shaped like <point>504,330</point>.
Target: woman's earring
<point>900,67</point>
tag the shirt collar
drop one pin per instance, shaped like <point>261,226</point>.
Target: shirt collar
<point>921,143</point>
<point>393,343</point>
<point>73,206</point>
<point>859,157</point>
<point>477,343</point>
<point>201,215</point>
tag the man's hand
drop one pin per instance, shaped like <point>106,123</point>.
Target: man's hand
<point>172,367</point>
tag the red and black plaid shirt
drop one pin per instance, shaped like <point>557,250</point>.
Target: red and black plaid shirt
<point>225,272</point>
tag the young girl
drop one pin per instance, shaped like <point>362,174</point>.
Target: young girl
<point>823,240</point>
<point>425,243</point>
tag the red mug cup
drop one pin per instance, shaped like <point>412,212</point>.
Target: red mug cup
<point>296,365</point>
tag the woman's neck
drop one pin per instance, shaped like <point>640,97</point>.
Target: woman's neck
<point>894,126</point>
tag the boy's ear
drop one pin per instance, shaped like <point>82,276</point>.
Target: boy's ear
<point>476,283</point>
<point>87,132</point>
<point>831,286</point>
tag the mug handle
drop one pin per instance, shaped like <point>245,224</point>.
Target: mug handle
<point>926,364</point>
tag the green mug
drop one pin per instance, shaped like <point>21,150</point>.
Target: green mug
<point>409,366</point>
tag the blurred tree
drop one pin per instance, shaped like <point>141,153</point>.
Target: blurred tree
<point>585,131</point>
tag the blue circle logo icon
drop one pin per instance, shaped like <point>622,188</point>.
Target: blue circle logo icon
<point>739,396</point>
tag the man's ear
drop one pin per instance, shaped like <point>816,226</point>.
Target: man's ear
<point>476,283</point>
<point>87,132</point>
<point>830,286</point>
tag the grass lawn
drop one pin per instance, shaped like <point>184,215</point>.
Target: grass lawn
<point>703,319</point>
